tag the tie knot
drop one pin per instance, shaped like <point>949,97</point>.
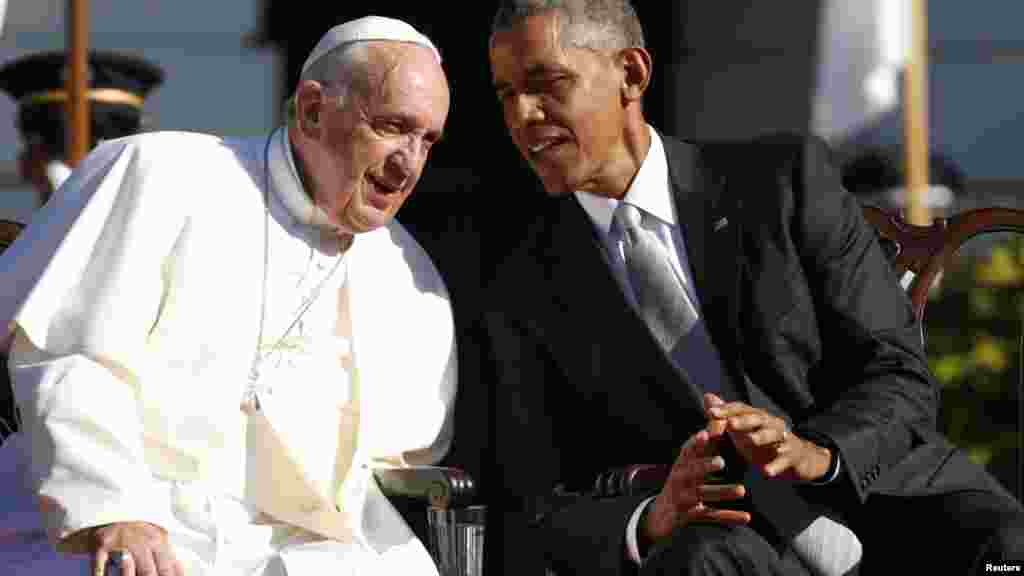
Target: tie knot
<point>629,216</point>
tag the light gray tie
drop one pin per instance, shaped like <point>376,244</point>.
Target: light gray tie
<point>662,301</point>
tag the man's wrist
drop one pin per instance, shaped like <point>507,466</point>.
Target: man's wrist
<point>827,474</point>
<point>832,472</point>
<point>823,442</point>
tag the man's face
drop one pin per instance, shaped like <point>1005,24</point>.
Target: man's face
<point>562,106</point>
<point>32,162</point>
<point>368,155</point>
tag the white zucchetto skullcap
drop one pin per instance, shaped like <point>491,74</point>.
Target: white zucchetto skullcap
<point>368,28</point>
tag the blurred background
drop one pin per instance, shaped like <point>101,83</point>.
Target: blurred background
<point>214,81</point>
<point>723,69</point>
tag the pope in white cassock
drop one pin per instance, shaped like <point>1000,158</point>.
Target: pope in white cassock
<point>217,340</point>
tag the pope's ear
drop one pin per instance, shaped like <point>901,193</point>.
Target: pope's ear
<point>309,102</point>
<point>636,65</point>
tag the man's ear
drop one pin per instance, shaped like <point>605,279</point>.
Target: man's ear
<point>309,103</point>
<point>636,64</point>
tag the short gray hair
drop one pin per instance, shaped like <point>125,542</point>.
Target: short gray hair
<point>342,70</point>
<point>600,25</point>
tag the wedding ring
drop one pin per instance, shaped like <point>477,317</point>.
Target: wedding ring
<point>782,441</point>
<point>115,562</point>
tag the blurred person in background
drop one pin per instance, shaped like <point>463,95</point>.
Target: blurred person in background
<point>118,85</point>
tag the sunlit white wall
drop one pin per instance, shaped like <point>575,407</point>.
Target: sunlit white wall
<point>743,68</point>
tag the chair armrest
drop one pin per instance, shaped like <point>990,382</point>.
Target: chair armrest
<point>632,480</point>
<point>438,486</point>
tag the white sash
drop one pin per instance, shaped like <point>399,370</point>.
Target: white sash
<point>280,431</point>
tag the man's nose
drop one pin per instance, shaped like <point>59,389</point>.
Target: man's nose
<point>522,109</point>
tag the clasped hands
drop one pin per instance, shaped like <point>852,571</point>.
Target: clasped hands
<point>764,441</point>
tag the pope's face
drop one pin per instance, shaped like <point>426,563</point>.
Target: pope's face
<point>369,154</point>
<point>562,106</point>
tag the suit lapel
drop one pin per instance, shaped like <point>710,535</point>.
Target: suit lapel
<point>690,204</point>
<point>712,231</point>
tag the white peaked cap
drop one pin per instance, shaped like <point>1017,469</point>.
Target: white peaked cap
<point>368,28</point>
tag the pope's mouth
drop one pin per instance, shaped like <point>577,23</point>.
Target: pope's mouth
<point>380,195</point>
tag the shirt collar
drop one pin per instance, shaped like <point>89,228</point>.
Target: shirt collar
<point>650,191</point>
<point>288,186</point>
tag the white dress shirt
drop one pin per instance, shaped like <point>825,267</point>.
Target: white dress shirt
<point>651,192</point>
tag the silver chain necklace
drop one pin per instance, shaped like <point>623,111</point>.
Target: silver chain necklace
<point>250,397</point>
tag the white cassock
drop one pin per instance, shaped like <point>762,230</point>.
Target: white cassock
<point>138,294</point>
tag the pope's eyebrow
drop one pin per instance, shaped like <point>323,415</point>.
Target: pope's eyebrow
<point>408,122</point>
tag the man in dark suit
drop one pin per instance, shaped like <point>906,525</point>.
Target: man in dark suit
<point>721,306</point>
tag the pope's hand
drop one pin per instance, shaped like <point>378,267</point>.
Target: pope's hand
<point>686,497</point>
<point>766,443</point>
<point>146,549</point>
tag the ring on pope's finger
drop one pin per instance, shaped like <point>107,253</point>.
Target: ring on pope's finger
<point>115,562</point>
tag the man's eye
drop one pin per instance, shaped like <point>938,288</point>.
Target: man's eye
<point>559,82</point>
<point>390,127</point>
<point>548,85</point>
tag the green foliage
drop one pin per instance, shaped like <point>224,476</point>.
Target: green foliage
<point>973,324</point>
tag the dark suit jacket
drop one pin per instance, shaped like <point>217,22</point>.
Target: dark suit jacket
<point>808,316</point>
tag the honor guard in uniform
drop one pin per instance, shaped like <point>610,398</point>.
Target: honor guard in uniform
<point>876,177</point>
<point>117,87</point>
